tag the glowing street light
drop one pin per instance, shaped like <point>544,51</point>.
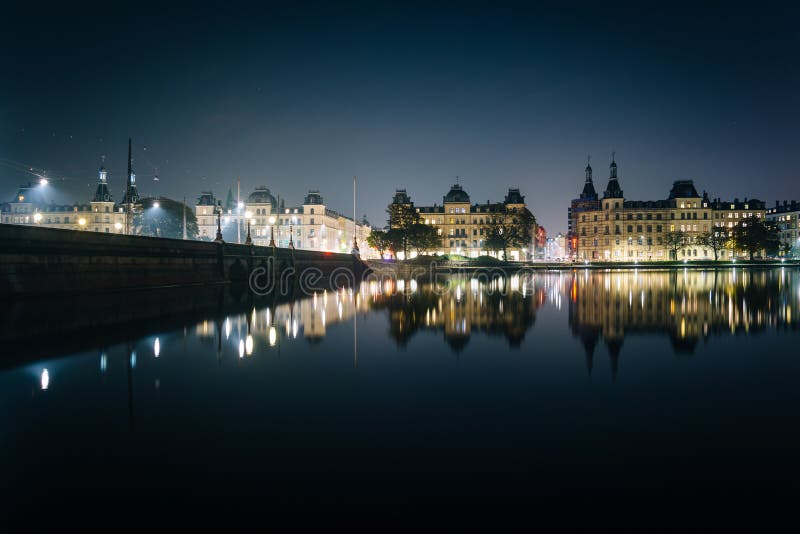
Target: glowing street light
<point>43,181</point>
<point>156,204</point>
<point>37,217</point>
<point>81,222</point>
<point>118,225</point>
<point>45,379</point>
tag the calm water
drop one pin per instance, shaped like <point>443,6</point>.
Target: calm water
<point>593,397</point>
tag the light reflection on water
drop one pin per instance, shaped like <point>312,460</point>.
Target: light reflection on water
<point>507,373</point>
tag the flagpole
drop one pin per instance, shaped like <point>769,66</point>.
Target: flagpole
<point>355,226</point>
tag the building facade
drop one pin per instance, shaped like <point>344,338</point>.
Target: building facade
<point>309,226</point>
<point>786,217</point>
<point>586,201</point>
<point>627,230</point>
<point>100,214</point>
<point>462,225</point>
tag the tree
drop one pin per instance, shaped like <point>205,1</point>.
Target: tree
<point>423,238</point>
<point>509,228</point>
<point>166,220</point>
<point>379,240</point>
<point>396,240</point>
<point>754,234</point>
<point>716,241</point>
<point>402,218</point>
<point>674,241</point>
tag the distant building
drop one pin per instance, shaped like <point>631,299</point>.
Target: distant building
<point>586,201</point>
<point>626,230</point>
<point>101,214</point>
<point>205,211</point>
<point>462,225</point>
<point>556,247</point>
<point>787,217</point>
<point>310,226</point>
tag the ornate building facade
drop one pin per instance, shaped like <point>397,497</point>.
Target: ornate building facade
<point>100,214</point>
<point>616,229</point>
<point>586,201</point>
<point>309,226</point>
<point>461,225</point>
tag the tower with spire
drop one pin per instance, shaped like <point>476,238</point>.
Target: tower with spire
<point>105,216</point>
<point>586,201</point>
<point>613,189</point>
<point>588,192</point>
<point>130,200</point>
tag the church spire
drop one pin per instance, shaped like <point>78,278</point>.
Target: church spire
<point>589,168</point>
<point>589,192</point>
<point>102,194</point>
<point>613,190</point>
<point>103,174</point>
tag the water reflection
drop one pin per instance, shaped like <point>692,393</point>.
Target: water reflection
<point>686,306</point>
<point>601,308</point>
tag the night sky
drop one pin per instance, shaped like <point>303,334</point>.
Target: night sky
<point>297,96</point>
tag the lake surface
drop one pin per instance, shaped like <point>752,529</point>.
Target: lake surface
<point>659,399</point>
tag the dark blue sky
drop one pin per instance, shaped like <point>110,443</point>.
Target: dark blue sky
<point>297,96</point>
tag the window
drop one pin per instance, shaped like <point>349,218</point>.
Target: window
<point>630,228</point>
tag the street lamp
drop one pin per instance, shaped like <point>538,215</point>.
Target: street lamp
<point>43,181</point>
<point>272,231</point>
<point>219,239</point>
<point>37,217</point>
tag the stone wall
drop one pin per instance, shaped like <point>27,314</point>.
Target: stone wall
<point>45,261</point>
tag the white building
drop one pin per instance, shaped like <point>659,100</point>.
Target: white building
<point>310,226</point>
<point>101,214</point>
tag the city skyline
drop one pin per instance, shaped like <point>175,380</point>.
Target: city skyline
<point>296,99</point>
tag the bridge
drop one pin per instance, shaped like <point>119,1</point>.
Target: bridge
<point>46,261</point>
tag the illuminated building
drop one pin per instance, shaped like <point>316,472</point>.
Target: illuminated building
<point>100,214</point>
<point>310,226</point>
<point>587,201</point>
<point>462,225</point>
<point>625,230</point>
<point>787,216</point>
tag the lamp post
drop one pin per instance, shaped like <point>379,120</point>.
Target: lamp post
<point>219,223</point>
<point>291,241</point>
<point>272,231</point>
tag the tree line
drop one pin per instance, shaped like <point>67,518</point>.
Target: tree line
<point>754,236</point>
